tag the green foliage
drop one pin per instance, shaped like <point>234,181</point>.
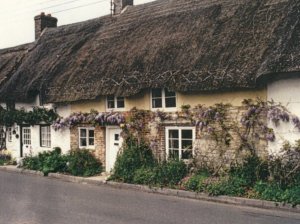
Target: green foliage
<point>5,157</point>
<point>46,162</point>
<point>36,116</point>
<point>170,173</point>
<point>145,176</point>
<point>197,182</point>
<point>82,162</point>
<point>251,170</point>
<point>274,192</point>
<point>77,163</point>
<point>132,158</point>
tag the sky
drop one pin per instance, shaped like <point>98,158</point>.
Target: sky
<point>16,16</point>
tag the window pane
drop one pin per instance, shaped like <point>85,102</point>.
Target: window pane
<point>110,104</point>
<point>83,142</point>
<point>174,144</point>
<point>168,94</point>
<point>174,154</point>
<point>82,132</point>
<point>187,134</point>
<point>187,144</point>
<point>91,133</point>
<point>171,102</point>
<point>120,102</point>
<point>156,93</point>
<point>157,103</point>
<point>187,154</point>
<point>91,141</point>
<point>117,137</point>
<point>173,134</point>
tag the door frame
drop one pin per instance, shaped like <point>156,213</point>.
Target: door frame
<point>107,142</point>
<point>21,138</point>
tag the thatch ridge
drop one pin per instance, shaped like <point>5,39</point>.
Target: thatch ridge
<point>184,45</point>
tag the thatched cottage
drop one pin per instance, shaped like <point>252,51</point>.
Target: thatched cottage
<point>159,55</point>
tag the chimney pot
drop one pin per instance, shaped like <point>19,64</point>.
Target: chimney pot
<point>42,21</point>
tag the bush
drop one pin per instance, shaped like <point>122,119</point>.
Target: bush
<point>197,182</point>
<point>145,176</point>
<point>5,157</point>
<point>77,163</point>
<point>82,162</point>
<point>46,162</point>
<point>170,173</point>
<point>252,169</point>
<point>132,158</point>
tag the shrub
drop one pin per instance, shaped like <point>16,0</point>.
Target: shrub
<point>252,169</point>
<point>46,162</point>
<point>197,182</point>
<point>145,176</point>
<point>5,157</point>
<point>170,173</point>
<point>132,158</point>
<point>82,162</point>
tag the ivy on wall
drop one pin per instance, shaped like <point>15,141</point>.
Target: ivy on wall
<point>36,116</point>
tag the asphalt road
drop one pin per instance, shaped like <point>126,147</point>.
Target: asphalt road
<point>37,200</point>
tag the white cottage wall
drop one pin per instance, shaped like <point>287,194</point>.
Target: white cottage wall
<point>286,92</point>
<point>58,138</point>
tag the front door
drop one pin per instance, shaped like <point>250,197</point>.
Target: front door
<point>26,141</point>
<point>113,144</point>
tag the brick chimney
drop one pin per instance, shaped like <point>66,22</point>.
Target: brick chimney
<point>119,5</point>
<point>42,21</point>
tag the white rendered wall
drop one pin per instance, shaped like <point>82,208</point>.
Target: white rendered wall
<point>58,138</point>
<point>286,92</point>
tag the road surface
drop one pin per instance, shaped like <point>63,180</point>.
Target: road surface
<point>36,200</point>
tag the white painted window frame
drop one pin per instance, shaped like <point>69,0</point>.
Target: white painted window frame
<point>45,137</point>
<point>163,97</point>
<point>115,104</point>
<point>9,134</point>
<point>179,138</point>
<point>26,136</point>
<point>88,146</point>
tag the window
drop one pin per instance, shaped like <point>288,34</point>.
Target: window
<point>45,133</point>
<point>9,134</point>
<point>86,137</point>
<point>26,136</point>
<point>179,142</point>
<point>10,105</point>
<point>114,102</point>
<point>163,98</point>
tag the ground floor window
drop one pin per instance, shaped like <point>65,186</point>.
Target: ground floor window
<point>86,137</point>
<point>179,142</point>
<point>9,134</point>
<point>45,133</point>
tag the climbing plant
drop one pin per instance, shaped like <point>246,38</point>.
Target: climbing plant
<point>21,116</point>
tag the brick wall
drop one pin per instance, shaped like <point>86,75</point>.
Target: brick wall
<point>99,150</point>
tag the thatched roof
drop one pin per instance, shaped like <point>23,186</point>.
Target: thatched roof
<point>184,45</point>
<point>10,60</point>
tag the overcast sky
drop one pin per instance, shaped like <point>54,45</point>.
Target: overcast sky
<point>16,16</point>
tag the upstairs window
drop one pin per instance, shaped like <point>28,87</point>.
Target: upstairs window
<point>114,102</point>
<point>163,98</point>
<point>86,137</point>
<point>10,105</point>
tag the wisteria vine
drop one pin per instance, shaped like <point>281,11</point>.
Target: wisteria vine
<point>95,118</point>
